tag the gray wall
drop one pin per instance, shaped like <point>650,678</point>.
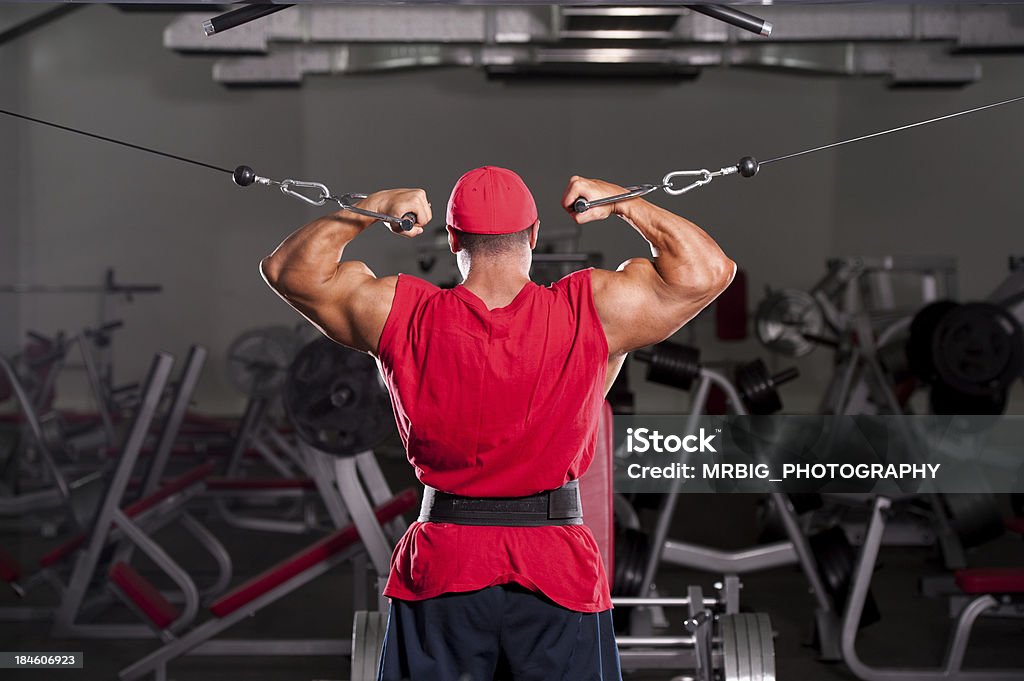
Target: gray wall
<point>953,188</point>
<point>84,206</point>
<point>10,184</point>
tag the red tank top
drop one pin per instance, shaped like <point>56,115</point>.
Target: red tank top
<point>497,403</point>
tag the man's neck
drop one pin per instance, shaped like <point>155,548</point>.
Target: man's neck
<point>496,283</point>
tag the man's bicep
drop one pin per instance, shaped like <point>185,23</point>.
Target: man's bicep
<point>636,307</point>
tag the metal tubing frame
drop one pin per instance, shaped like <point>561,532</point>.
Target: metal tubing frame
<point>951,669</point>
<point>255,408</point>
<point>190,643</point>
<point>92,372</point>
<point>756,558</point>
<point>360,509</point>
<point>87,561</point>
<point>175,416</point>
<point>249,431</point>
<point>137,531</point>
<point>167,564</point>
<point>216,549</point>
<point>668,505</point>
<point>647,658</point>
<point>32,419</point>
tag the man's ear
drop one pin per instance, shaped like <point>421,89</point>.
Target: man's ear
<point>453,239</point>
<point>534,230</point>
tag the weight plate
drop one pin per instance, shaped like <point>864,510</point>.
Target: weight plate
<point>978,349</point>
<point>631,549</point>
<point>975,518</point>
<point>368,631</point>
<point>748,647</point>
<point>756,388</point>
<point>336,400</point>
<point>672,364</point>
<point>919,343</point>
<point>836,559</point>
<point>258,360</point>
<point>948,401</point>
<point>784,320</point>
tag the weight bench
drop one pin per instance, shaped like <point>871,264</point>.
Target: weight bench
<point>136,511</point>
<point>127,527</point>
<point>116,525</point>
<point>991,589</point>
<point>245,600</point>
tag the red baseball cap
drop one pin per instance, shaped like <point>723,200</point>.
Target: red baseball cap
<point>491,200</point>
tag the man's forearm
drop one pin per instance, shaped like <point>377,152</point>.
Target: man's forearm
<point>684,255</point>
<point>311,254</point>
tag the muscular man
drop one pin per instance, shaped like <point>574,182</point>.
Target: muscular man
<point>497,387</point>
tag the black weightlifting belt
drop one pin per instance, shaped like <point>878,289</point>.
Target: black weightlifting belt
<point>555,507</point>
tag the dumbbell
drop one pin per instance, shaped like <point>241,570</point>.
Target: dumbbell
<point>677,365</point>
<point>671,364</point>
<point>758,389</point>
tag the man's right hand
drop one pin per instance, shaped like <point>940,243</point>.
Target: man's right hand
<point>582,187</point>
<point>398,202</point>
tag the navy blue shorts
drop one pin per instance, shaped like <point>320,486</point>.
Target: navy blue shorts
<point>503,633</point>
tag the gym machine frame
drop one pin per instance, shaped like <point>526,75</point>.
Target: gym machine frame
<point>952,667</point>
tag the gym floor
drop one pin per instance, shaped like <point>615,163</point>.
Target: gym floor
<point>913,629</point>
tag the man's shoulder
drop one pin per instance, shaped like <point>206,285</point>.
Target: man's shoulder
<point>574,279</point>
<point>414,283</point>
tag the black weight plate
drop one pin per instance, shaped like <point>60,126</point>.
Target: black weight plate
<point>336,399</point>
<point>836,559</point>
<point>755,386</point>
<point>975,518</point>
<point>919,345</point>
<point>978,349</point>
<point>673,364</point>
<point>631,548</point>
<point>948,401</point>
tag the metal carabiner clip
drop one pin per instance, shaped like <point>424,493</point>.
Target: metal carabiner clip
<point>325,193</point>
<point>349,201</point>
<point>704,174</point>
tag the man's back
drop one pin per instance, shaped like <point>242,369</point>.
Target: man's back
<point>497,403</point>
<point>501,402</point>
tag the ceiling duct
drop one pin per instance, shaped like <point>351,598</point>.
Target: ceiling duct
<point>908,45</point>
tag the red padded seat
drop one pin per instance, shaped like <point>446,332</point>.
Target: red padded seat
<point>10,568</point>
<point>317,553</point>
<point>224,484</point>
<point>143,594</point>
<point>1015,525</point>
<point>991,580</point>
<point>168,489</point>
